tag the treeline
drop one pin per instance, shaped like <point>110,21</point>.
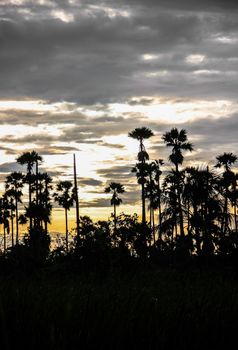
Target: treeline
<point>197,207</point>
<point>192,211</point>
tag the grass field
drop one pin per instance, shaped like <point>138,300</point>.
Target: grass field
<point>150,308</point>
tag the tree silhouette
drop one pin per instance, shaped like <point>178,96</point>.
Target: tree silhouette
<point>30,159</point>
<point>153,192</point>
<point>141,134</point>
<point>14,184</point>
<point>5,207</point>
<point>44,201</point>
<point>178,141</point>
<point>116,188</point>
<point>65,198</point>
<point>226,160</point>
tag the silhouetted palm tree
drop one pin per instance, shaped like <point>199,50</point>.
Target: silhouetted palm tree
<point>10,195</point>
<point>141,134</point>
<point>44,201</point>
<point>154,192</point>
<point>30,159</point>
<point>226,160</point>
<point>179,143</point>
<point>170,201</point>
<point>234,198</point>
<point>4,218</point>
<point>116,188</point>
<point>65,198</point>
<point>15,183</point>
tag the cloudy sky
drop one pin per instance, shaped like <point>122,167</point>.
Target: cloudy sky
<point>77,76</point>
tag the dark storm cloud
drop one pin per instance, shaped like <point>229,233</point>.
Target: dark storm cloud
<point>93,53</point>
<point>96,56</point>
<point>187,4</point>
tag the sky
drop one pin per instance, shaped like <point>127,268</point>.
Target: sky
<point>77,76</point>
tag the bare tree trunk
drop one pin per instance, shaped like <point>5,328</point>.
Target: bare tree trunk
<point>76,197</point>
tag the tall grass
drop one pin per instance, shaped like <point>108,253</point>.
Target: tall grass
<point>150,309</point>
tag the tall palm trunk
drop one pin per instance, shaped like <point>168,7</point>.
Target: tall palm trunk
<point>143,187</point>
<point>4,237</point>
<point>179,204</point>
<point>151,200</point>
<point>12,223</point>
<point>225,215</point>
<point>30,197</point>
<point>188,218</point>
<point>115,214</point>
<point>207,240</point>
<point>143,201</point>
<point>235,206</point>
<point>197,232</point>
<point>76,198</point>
<point>17,223</point>
<point>66,230</point>
<point>160,211</point>
<point>153,226</point>
<point>37,183</point>
<point>46,226</point>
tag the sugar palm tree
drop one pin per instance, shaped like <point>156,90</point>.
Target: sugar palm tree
<point>30,159</point>
<point>65,198</point>
<point>141,134</point>
<point>234,199</point>
<point>156,170</point>
<point>116,188</point>
<point>10,195</point>
<point>206,208</point>
<point>14,184</point>
<point>45,186</point>
<point>178,141</point>
<point>226,160</point>
<point>4,218</point>
<point>170,203</point>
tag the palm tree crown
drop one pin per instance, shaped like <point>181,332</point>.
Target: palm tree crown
<point>226,160</point>
<point>178,141</point>
<point>29,158</point>
<point>141,134</point>
<point>116,188</point>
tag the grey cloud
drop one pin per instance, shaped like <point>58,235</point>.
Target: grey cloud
<point>98,59</point>
<point>89,182</point>
<point>96,203</point>
<point>10,167</point>
<point>117,173</point>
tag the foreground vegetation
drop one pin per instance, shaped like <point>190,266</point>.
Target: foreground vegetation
<point>139,307</point>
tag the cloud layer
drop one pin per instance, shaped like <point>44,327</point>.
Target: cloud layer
<point>76,76</point>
